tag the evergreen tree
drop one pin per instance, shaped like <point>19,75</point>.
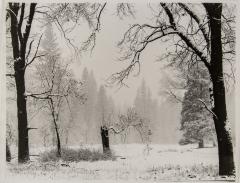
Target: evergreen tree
<point>196,121</point>
<point>102,106</point>
<point>88,108</point>
<point>145,107</point>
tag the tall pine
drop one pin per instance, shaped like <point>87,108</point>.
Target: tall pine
<point>196,121</point>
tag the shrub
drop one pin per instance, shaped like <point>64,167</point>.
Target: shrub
<point>76,155</point>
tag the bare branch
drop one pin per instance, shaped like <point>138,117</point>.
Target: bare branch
<point>115,131</point>
<point>31,128</point>
<point>29,49</point>
<point>35,54</point>
<point>176,98</point>
<point>28,25</point>
<point>92,37</point>
<point>184,37</point>
<point>197,19</point>
<point>125,10</point>
<point>20,22</point>
<point>209,110</point>
<point>10,75</point>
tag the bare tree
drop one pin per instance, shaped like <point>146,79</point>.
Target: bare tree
<point>58,88</point>
<point>124,122</point>
<point>199,39</point>
<point>19,39</point>
<point>22,50</point>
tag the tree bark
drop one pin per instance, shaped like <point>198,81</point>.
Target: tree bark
<point>105,139</point>
<point>56,129</point>
<point>23,147</point>
<point>225,148</point>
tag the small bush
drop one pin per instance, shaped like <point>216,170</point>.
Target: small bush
<point>76,155</point>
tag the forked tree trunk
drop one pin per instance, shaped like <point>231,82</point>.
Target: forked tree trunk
<point>105,139</point>
<point>225,148</point>
<point>19,43</point>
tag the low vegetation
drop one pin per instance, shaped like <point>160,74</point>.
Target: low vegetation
<point>76,155</point>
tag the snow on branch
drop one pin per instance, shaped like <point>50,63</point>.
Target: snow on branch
<point>92,38</point>
<point>136,39</point>
<point>184,37</point>
<point>209,110</point>
<point>197,19</point>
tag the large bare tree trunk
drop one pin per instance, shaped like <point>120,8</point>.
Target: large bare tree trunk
<point>225,148</point>
<point>23,148</point>
<point>19,43</point>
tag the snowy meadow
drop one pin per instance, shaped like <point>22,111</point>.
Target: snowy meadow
<point>134,162</point>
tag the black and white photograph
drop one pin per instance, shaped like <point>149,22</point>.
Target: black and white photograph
<point>113,91</point>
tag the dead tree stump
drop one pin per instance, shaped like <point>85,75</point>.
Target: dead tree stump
<point>105,139</point>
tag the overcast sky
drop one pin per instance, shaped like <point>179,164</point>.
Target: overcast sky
<point>104,59</point>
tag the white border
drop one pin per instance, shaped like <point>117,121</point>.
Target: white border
<point>3,70</point>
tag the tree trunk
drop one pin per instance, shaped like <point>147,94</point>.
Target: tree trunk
<point>19,64</point>
<point>58,143</point>
<point>8,153</point>
<point>201,144</point>
<point>57,135</point>
<point>56,128</point>
<point>19,43</point>
<point>105,139</point>
<point>225,148</point>
<point>23,147</point>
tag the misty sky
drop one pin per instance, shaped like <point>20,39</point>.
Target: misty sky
<point>104,59</point>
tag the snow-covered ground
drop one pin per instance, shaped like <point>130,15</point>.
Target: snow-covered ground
<point>134,163</point>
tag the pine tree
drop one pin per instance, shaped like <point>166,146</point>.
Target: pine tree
<point>102,106</point>
<point>196,122</point>
<point>146,108</point>
<point>88,108</point>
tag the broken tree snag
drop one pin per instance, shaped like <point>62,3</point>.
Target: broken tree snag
<point>105,139</point>
<point>201,143</point>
